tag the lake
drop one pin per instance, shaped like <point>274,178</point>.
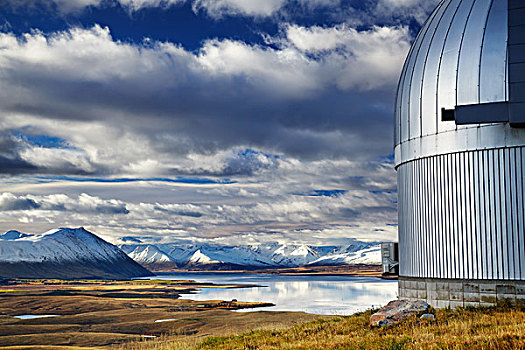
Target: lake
<point>323,295</point>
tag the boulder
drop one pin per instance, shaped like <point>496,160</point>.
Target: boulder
<point>396,311</point>
<point>428,317</point>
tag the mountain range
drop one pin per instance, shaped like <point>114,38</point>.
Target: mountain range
<point>64,253</point>
<point>265,255</point>
<point>77,253</point>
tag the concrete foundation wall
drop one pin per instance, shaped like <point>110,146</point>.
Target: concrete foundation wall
<point>441,293</point>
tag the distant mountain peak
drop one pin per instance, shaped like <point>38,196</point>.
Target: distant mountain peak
<point>63,253</point>
<point>12,235</point>
<point>200,258</point>
<point>146,254</point>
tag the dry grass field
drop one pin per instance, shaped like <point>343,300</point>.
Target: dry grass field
<point>486,328</point>
<point>105,314</point>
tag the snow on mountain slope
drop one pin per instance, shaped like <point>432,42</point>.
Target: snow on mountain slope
<point>146,254</point>
<point>243,255</point>
<point>293,255</point>
<point>369,255</point>
<point>64,253</point>
<point>199,258</point>
<point>179,253</point>
<point>58,245</point>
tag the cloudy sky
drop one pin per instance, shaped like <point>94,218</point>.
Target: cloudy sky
<point>224,120</point>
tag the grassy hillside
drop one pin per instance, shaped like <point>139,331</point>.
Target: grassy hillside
<point>482,328</point>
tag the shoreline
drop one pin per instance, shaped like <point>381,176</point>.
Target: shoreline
<point>361,270</point>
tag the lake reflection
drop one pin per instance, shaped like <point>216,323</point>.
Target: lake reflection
<point>324,295</point>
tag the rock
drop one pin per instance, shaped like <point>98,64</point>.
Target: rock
<point>396,311</point>
<point>428,317</point>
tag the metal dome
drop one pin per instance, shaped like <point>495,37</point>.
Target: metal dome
<point>458,58</point>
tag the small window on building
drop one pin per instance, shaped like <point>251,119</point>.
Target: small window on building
<point>448,115</point>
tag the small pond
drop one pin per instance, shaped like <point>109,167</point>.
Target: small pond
<point>32,317</point>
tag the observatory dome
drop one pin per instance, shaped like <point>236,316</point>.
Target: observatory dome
<point>460,155</point>
<point>459,58</point>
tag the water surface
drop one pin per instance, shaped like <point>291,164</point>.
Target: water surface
<point>32,317</point>
<point>324,295</point>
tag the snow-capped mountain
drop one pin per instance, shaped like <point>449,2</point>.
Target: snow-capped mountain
<point>269,255</point>
<point>369,255</point>
<point>293,255</point>
<point>198,258</point>
<point>146,253</point>
<point>64,253</point>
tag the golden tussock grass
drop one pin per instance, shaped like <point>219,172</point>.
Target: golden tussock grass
<point>471,328</point>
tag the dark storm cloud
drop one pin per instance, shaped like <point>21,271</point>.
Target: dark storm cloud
<point>83,204</point>
<point>348,213</point>
<point>7,204</point>
<point>110,209</point>
<point>193,214</point>
<point>10,162</point>
<point>16,166</point>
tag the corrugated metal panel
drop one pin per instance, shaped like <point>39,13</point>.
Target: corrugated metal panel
<point>461,215</point>
<point>520,198</point>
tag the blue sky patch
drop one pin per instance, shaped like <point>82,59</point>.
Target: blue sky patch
<point>324,193</point>
<point>45,141</point>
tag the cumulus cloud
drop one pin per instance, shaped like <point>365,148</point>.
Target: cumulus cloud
<point>417,9</point>
<point>349,49</point>
<point>9,202</point>
<point>135,5</point>
<point>300,98</point>
<point>267,8</point>
<point>65,160</point>
<point>219,8</point>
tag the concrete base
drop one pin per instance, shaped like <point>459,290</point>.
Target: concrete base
<point>441,293</point>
